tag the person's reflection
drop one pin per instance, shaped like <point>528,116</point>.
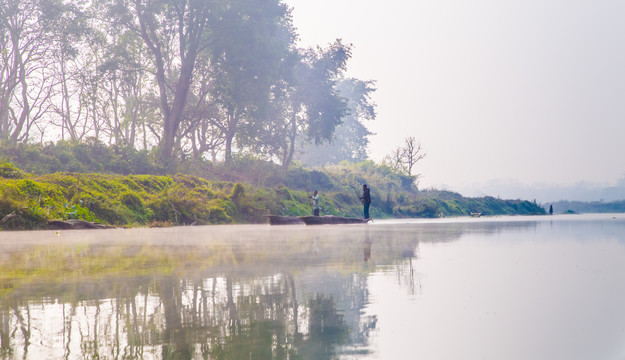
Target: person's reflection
<point>315,245</point>
<point>367,246</point>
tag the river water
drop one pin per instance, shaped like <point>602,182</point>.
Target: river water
<point>550,287</point>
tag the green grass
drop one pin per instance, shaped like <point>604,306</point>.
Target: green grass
<point>182,199</point>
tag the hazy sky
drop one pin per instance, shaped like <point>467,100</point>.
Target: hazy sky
<point>526,90</point>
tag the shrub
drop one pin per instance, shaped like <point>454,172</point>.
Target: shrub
<point>217,215</point>
<point>10,171</point>
<point>77,211</point>
<point>238,193</point>
<point>132,201</point>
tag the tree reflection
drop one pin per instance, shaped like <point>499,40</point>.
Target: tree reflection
<point>326,329</point>
<point>5,325</point>
<point>210,318</point>
<point>289,296</point>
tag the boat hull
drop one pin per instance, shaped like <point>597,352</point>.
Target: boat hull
<point>332,220</point>
<point>284,220</point>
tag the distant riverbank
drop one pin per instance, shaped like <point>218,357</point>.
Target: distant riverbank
<point>561,207</point>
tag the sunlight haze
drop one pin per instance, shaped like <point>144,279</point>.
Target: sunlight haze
<point>526,91</point>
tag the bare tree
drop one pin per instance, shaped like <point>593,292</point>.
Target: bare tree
<point>200,133</point>
<point>24,81</point>
<point>175,36</point>
<point>404,158</point>
<point>412,154</point>
<point>72,70</point>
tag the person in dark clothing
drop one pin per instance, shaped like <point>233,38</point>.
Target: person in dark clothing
<point>366,200</point>
<point>550,209</point>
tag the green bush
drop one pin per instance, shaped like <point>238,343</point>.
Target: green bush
<point>89,156</point>
<point>77,211</point>
<point>217,215</point>
<point>238,193</point>
<point>132,201</point>
<point>9,171</point>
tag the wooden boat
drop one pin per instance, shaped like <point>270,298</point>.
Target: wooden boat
<point>284,220</point>
<point>332,220</point>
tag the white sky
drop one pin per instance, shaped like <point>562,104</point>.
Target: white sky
<point>526,90</point>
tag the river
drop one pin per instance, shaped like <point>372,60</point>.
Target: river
<point>549,287</point>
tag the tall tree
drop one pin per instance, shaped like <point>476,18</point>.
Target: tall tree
<point>351,138</point>
<point>202,136</point>
<point>71,72</point>
<point>175,32</point>
<point>124,103</point>
<point>312,106</point>
<point>251,50</point>
<point>190,77</point>
<point>243,41</point>
<point>25,84</point>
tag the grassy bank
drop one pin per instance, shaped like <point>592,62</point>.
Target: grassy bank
<point>132,200</point>
<point>28,201</point>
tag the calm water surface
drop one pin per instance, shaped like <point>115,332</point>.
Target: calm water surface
<point>487,288</point>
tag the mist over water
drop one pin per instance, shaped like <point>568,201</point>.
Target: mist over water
<point>494,288</point>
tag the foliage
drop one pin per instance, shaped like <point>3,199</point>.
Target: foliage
<point>123,200</point>
<point>186,199</point>
<point>250,60</point>
<point>73,156</point>
<point>10,171</point>
<point>185,78</point>
<point>351,138</point>
<point>310,105</point>
<point>77,211</point>
<point>394,194</point>
<point>429,206</point>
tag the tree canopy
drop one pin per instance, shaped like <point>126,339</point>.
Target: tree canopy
<point>351,138</point>
<point>183,78</point>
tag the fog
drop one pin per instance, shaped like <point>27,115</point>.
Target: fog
<point>524,90</point>
<point>544,193</point>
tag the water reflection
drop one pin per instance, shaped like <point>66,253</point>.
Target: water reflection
<point>254,292</point>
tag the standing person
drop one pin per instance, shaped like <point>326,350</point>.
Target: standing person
<point>366,200</point>
<point>551,209</point>
<point>315,203</point>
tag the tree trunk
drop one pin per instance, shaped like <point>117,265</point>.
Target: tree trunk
<point>8,87</point>
<point>228,149</point>
<point>291,141</point>
<point>174,115</point>
<point>25,103</point>
<point>229,131</point>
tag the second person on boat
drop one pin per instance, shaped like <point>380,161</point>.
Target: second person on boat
<point>315,203</point>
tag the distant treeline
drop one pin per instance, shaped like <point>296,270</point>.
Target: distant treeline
<point>589,207</point>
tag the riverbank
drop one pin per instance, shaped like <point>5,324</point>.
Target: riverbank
<point>30,201</point>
